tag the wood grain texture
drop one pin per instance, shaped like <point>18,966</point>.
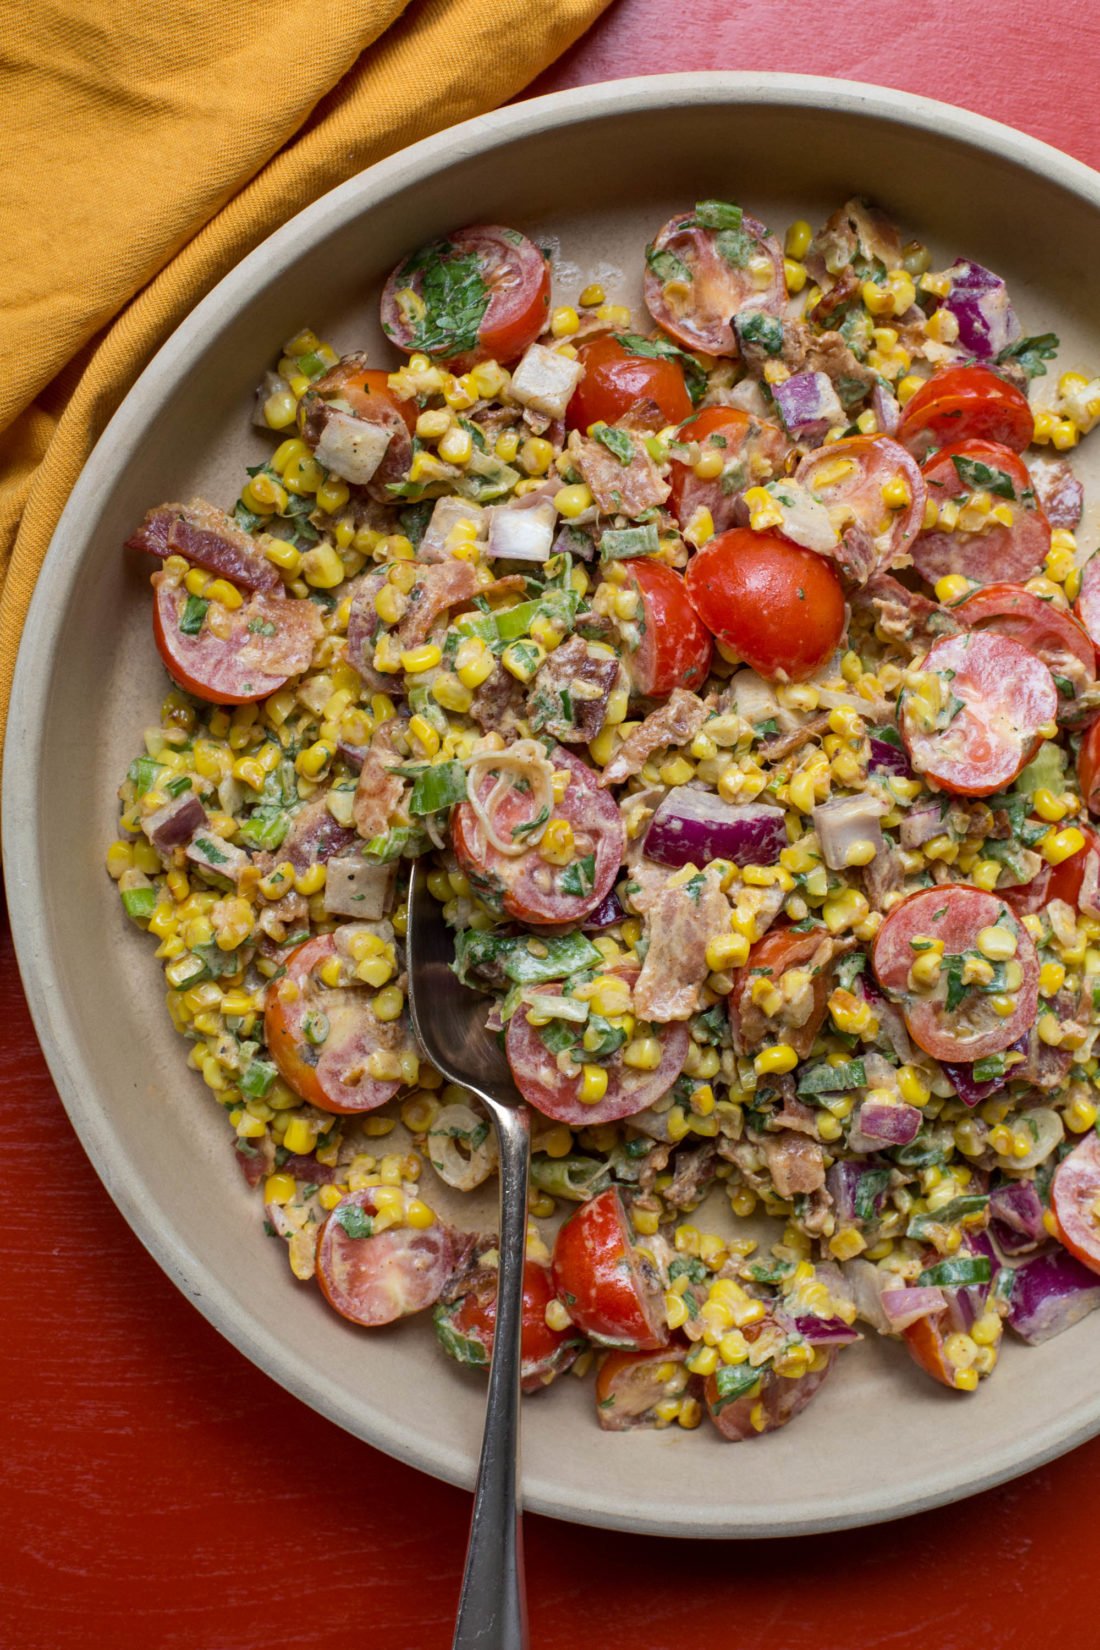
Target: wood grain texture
<point>159,1493</point>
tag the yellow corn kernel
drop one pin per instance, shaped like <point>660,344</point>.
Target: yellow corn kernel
<point>764,511</point>
<point>572,501</point>
<point>556,845</point>
<point>996,943</point>
<point>299,1136</point>
<point>474,662</point>
<point>952,587</point>
<point>911,1087</point>
<point>312,762</point>
<point>1057,846</point>
<point>415,660</point>
<point>456,445</point>
<point>522,659</point>
<point>796,242</point>
<point>794,275</point>
<point>592,295</point>
<point>322,568</point>
<point>279,1188</point>
<point>727,951</point>
<point>1052,977</point>
<point>642,1054</point>
<point>564,322</point>
<point>593,1085</point>
<point>779,1058</point>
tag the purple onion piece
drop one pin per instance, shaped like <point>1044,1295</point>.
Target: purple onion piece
<point>842,1181</point>
<point>888,1125</point>
<point>980,304</point>
<point>826,1331</point>
<point>886,408</point>
<point>606,915</point>
<point>692,827</point>
<point>905,1306</point>
<point>808,405</point>
<point>1017,1207</point>
<point>887,758</point>
<point>1050,1293</point>
<point>961,1074</point>
<point>176,823</point>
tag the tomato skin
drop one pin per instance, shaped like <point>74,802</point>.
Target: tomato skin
<point>1073,1192</point>
<point>628,1389</point>
<point>924,1341</point>
<point>600,1277</point>
<point>1088,767</point>
<point>676,648</point>
<point>738,431</point>
<point>312,1079</point>
<point>999,554</point>
<point>1066,878</point>
<point>874,460</point>
<point>518,280</point>
<point>779,950</point>
<point>545,1352</point>
<point>698,312</point>
<point>780,607</point>
<point>358,386</point>
<point>958,403</point>
<point>1012,611</point>
<point>615,381</point>
<point>377,1279</point>
<point>248,664</point>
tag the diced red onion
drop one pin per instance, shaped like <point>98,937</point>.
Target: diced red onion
<point>176,823</point>
<point>842,1181</point>
<point>905,1306</point>
<point>692,827</point>
<point>808,404</point>
<point>979,302</point>
<point>826,1331</point>
<point>886,1125</point>
<point>921,824</point>
<point>886,408</point>
<point>1016,1206</point>
<point>961,1074</point>
<point>887,758</point>
<point>606,915</point>
<point>1050,1293</point>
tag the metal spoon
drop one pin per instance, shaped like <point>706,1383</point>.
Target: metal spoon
<point>449,1020</point>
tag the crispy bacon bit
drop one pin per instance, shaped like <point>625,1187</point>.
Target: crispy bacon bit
<point>626,489</point>
<point>796,1165</point>
<point>1058,490</point>
<point>436,589</point>
<point>679,924</point>
<point>208,537</point>
<point>904,615</point>
<point>677,721</point>
<point>498,705</point>
<point>379,791</point>
<point>568,697</point>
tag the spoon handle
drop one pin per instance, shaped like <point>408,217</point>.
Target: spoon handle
<point>492,1611</point>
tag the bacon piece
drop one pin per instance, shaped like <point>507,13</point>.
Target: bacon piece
<point>210,539</point>
<point>904,615</point>
<point>498,704</point>
<point>437,588</point>
<point>626,489</point>
<point>363,623</point>
<point>796,1165</point>
<point>568,697</point>
<point>1058,490</point>
<point>379,791</point>
<point>677,721</point>
<point>679,924</point>
<point>314,836</point>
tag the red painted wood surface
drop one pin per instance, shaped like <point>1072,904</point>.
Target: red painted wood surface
<point>159,1493</point>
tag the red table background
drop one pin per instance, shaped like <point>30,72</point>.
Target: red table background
<point>159,1493</point>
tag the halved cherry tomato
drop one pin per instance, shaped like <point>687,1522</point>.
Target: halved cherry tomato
<point>994,697</point>
<point>1087,605</point>
<point>958,403</point>
<point>376,1279</point>
<point>674,647</point>
<point>524,885</point>
<point>874,464</point>
<point>322,1038</point>
<point>630,1385</point>
<point>778,606</point>
<point>751,450</point>
<point>998,553</point>
<point>924,1340</point>
<point>779,950</point>
<point>479,294</point>
<point>1054,637</point>
<point>1073,1194</point>
<point>267,639</point>
<point>545,1086</point>
<point>363,391</point>
<point>616,380</point>
<point>697,279</point>
<point>954,914</point>
<point>362,387</point>
<point>466,1327</point>
<point>1067,878</point>
<point>769,1404</point>
<point>611,1291</point>
<point>1088,767</point>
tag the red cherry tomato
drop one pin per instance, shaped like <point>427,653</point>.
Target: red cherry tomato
<point>778,606</point>
<point>487,295</point>
<point>1073,1195</point>
<point>546,1087</point>
<point>1088,767</point>
<point>269,638</point>
<point>322,1038</point>
<point>467,1325</point>
<point>524,885</point>
<point>769,1404</point>
<point>998,553</point>
<point>924,1340</point>
<point>616,381</point>
<point>698,279</point>
<point>874,462</point>
<point>955,914</point>
<point>1066,879</point>
<point>673,647</point>
<point>362,387</point>
<point>610,1290</point>
<point>958,403</point>
<point>1054,637</point>
<point>630,1385</point>
<point>1087,605</point>
<point>994,697</point>
<point>376,1279</point>
<point>775,953</point>
<point>751,450</point>
<point>366,393</point>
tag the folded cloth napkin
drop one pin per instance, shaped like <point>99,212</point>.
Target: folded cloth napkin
<point>151,144</point>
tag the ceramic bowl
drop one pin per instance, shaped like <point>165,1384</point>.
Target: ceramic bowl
<point>593,173</point>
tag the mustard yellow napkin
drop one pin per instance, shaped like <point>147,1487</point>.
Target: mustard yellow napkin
<point>149,144</point>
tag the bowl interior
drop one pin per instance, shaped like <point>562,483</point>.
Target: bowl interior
<point>592,175</point>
